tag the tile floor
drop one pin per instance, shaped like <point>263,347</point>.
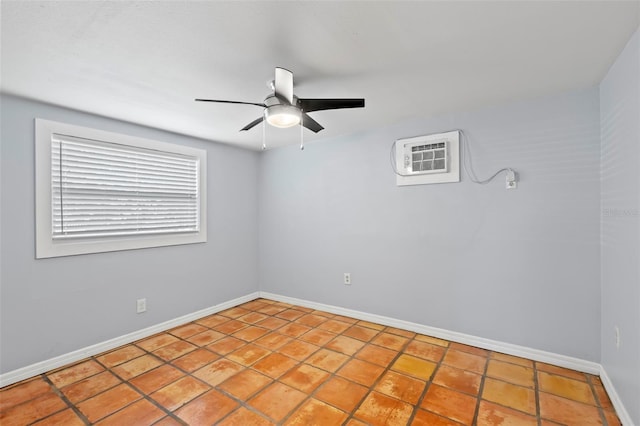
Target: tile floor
<point>267,362</point>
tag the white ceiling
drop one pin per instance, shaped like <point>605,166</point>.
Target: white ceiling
<point>146,61</point>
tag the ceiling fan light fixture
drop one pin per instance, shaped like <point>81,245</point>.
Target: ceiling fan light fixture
<point>282,116</point>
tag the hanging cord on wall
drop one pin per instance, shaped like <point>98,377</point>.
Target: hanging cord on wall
<point>466,154</point>
<point>466,158</point>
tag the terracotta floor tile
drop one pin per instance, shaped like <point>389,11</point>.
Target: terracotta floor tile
<point>22,392</point>
<point>108,402</point>
<point>32,410</point>
<point>334,326</point>
<point>601,393</point>
<point>119,356</point>
<point>188,330</point>
<point>153,380</point>
<point>425,418</point>
<point>612,418</point>
<point>373,325</point>
<point>568,412</point>
<point>355,422</point>
<point>469,349</point>
<point>273,340</point>
<point>566,387</point>
<point>252,318</point>
<point>323,313</point>
<point>168,421</point>
<point>376,355</point>
<point>311,320</point>
<point>277,400</point>
<point>390,341</point>
<point>290,314</point>
<point>234,312</point>
<point>298,350</point>
<point>244,417</point>
<point>250,333</point>
<point>327,360</point>
<point>511,373</point>
<point>361,372</point>
<point>212,320</point>
<point>465,361</point>
<point>401,387</point>
<point>432,340</point>
<point>271,323</point>
<point>75,373</point>
<point>400,332</point>
<point>493,414</point>
<point>509,395</point>
<point>194,360</point>
<point>293,329</point>
<point>218,371</point>
<point>255,304</point>
<point>275,365</point>
<point>136,366</point>
<point>248,354</point>
<point>230,327</point>
<point>157,341</point>
<point>416,367</point>
<point>226,345</point>
<point>271,310</point>
<point>139,413</point>
<point>425,350</point>
<point>206,337</point>
<point>178,393</point>
<point>207,409</point>
<point>345,345</point>
<point>341,393</point>
<point>174,350</point>
<point>379,409</point>
<point>79,391</point>
<point>512,359</point>
<point>302,308</point>
<point>361,333</point>
<point>304,377</point>
<point>63,418</point>
<point>245,384</point>
<point>461,380</point>
<point>342,318</point>
<point>317,337</point>
<point>449,403</point>
<point>572,374</point>
<point>314,412</point>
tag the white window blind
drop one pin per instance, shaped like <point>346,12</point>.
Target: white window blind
<point>104,189</point>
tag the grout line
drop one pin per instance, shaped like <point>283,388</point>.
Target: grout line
<point>62,396</point>
<point>537,392</point>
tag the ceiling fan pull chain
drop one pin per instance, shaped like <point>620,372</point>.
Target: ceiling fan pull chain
<point>264,135</point>
<point>301,136</point>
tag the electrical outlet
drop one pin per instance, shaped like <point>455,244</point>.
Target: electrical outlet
<point>347,278</point>
<point>141,305</point>
<point>617,333</point>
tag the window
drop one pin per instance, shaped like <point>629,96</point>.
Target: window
<point>98,191</point>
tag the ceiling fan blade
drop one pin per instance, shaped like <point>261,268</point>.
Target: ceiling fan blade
<point>309,105</point>
<point>311,124</point>
<point>283,85</point>
<point>231,102</point>
<point>253,124</point>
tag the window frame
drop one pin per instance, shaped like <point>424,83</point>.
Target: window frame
<point>47,246</point>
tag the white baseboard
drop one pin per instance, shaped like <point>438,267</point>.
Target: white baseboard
<point>80,354</point>
<point>493,345</point>
<point>621,411</point>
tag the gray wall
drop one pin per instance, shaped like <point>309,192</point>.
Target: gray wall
<point>620,130</point>
<point>518,266</point>
<point>53,306</point>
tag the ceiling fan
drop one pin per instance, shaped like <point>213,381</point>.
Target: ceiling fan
<point>283,109</point>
